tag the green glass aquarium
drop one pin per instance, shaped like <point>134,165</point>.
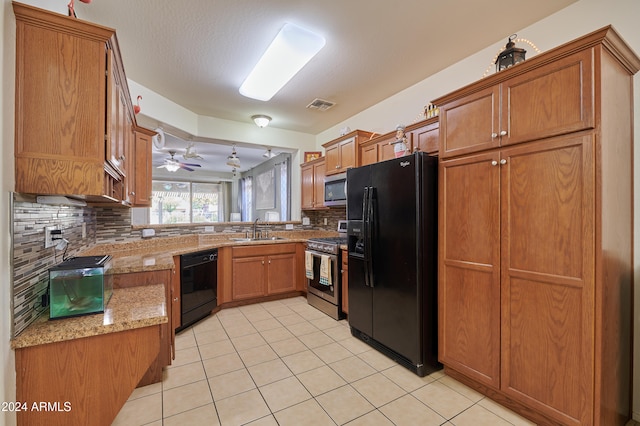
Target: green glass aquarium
<point>80,286</point>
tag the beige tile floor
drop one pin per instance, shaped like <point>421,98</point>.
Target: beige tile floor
<point>286,363</point>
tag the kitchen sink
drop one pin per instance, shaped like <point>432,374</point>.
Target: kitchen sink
<point>257,239</point>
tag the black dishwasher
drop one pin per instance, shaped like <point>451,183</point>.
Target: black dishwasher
<point>198,285</point>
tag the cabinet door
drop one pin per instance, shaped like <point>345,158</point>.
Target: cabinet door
<point>176,304</point>
<point>385,151</point>
<point>469,267</point>
<point>142,172</point>
<point>318,184</point>
<point>470,124</point>
<point>60,109</point>
<point>552,100</point>
<point>347,154</point>
<point>427,138</point>
<point>308,190</point>
<point>281,273</point>
<point>369,155</point>
<point>547,277</point>
<point>249,277</point>
<point>332,158</point>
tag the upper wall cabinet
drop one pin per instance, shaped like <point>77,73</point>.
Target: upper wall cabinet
<point>550,101</point>
<point>74,119</point>
<point>342,153</point>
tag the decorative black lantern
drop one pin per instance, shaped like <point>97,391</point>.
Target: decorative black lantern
<point>510,56</point>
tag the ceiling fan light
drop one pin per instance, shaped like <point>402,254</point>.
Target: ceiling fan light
<point>268,154</point>
<point>261,120</point>
<point>233,162</point>
<point>289,51</point>
<point>172,167</point>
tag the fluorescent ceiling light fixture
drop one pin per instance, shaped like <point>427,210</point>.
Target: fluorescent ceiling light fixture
<point>292,48</point>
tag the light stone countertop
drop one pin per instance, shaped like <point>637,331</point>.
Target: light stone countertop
<point>154,254</point>
<point>129,308</point>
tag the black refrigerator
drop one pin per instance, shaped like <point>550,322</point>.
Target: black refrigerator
<point>392,242</point>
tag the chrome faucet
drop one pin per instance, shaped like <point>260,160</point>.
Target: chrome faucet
<point>255,224</point>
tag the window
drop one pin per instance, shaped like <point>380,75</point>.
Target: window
<point>247,196</point>
<point>186,202</point>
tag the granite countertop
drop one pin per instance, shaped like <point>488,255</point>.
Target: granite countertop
<point>154,254</point>
<point>129,308</point>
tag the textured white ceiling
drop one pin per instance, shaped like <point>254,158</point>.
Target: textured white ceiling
<point>198,52</point>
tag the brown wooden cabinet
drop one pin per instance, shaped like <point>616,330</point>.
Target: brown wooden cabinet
<point>141,173</point>
<point>312,177</point>
<point>425,136</point>
<point>552,100</point>
<point>262,270</point>
<point>535,234</point>
<point>171,282</point>
<point>341,156</point>
<point>345,281</point>
<point>343,153</point>
<point>74,117</point>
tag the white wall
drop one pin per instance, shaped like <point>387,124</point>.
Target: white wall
<point>7,73</point>
<point>572,22</point>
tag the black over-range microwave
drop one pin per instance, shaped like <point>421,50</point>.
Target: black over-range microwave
<point>335,190</point>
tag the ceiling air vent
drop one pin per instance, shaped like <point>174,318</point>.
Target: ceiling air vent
<point>320,104</point>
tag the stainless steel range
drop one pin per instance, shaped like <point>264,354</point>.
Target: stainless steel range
<point>324,290</point>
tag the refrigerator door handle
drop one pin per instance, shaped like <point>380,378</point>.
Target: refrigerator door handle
<point>369,237</point>
<point>365,226</point>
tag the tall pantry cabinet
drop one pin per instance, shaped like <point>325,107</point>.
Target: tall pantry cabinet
<point>536,222</point>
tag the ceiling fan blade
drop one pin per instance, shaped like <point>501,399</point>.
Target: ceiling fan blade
<point>189,169</point>
<point>191,164</point>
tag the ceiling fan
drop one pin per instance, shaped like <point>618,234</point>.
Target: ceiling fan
<point>172,165</point>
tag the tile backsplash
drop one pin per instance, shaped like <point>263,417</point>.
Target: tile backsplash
<point>31,261</point>
<point>85,227</point>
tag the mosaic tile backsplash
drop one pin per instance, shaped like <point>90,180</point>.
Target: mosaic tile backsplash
<point>85,227</point>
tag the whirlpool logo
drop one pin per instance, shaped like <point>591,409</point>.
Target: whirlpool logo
<point>404,163</point>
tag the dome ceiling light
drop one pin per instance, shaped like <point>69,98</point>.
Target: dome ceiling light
<point>261,120</point>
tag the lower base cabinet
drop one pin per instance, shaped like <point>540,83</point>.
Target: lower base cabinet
<point>83,381</point>
<point>263,270</point>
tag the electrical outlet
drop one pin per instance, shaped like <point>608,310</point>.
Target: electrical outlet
<point>325,220</point>
<point>209,229</point>
<point>84,230</point>
<point>48,238</point>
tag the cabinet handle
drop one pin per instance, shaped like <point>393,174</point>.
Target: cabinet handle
<point>503,133</point>
<point>263,262</point>
<point>175,299</point>
<point>132,193</point>
<point>122,157</point>
<point>337,166</point>
<point>503,161</point>
<point>494,135</point>
<point>269,261</point>
<point>494,163</point>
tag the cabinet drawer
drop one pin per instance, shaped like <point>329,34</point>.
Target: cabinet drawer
<point>263,250</point>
